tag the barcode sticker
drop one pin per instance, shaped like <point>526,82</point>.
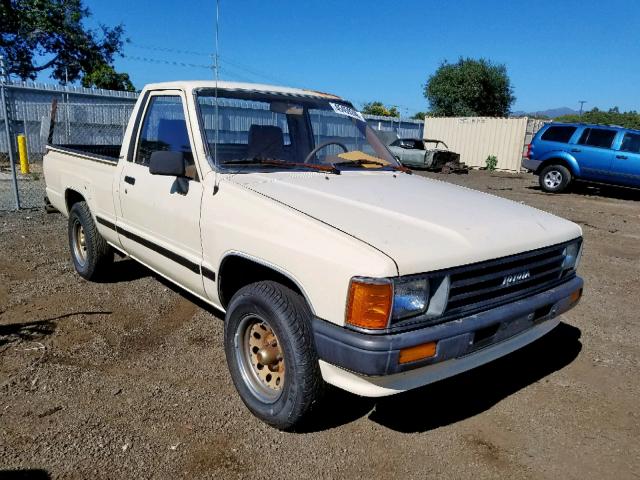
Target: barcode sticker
<point>348,111</point>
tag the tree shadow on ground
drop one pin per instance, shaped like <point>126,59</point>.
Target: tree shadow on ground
<point>459,397</point>
<point>26,474</point>
<point>36,330</point>
<point>603,191</point>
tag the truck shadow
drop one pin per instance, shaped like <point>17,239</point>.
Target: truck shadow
<point>125,270</point>
<point>439,404</point>
<point>457,398</point>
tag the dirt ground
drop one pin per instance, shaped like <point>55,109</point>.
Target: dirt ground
<point>127,378</point>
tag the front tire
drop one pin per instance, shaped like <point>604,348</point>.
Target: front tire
<point>271,353</point>
<point>90,252</point>
<point>555,178</point>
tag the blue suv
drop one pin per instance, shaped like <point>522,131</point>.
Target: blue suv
<point>561,153</point>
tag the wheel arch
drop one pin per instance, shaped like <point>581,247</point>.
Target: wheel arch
<point>559,159</point>
<point>238,270</point>
<point>71,197</point>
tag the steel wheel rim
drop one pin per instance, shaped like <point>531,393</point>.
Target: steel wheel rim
<point>260,358</point>
<point>553,179</point>
<point>79,243</point>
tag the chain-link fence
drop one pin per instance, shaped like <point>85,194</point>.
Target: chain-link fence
<point>80,116</point>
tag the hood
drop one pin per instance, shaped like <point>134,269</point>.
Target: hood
<point>422,224</point>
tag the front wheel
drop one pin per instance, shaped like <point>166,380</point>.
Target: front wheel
<point>554,178</point>
<point>271,354</point>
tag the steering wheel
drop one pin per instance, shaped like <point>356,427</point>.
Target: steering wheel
<point>313,152</point>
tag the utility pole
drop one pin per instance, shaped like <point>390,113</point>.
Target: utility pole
<point>6,110</point>
<point>581,102</point>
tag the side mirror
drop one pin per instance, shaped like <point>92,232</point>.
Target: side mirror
<point>167,163</point>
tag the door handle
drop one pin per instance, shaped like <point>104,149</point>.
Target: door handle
<point>576,150</point>
<point>622,157</point>
<point>130,180</point>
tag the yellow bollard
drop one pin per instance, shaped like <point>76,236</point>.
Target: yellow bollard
<point>22,153</point>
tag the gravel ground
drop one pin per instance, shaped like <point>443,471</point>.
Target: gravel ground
<point>30,187</point>
<point>127,378</point>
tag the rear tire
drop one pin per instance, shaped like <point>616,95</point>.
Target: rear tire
<point>555,178</point>
<point>271,353</point>
<point>91,254</point>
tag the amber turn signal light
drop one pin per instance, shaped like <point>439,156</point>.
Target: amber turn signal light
<point>369,304</point>
<point>419,352</point>
<point>575,296</point>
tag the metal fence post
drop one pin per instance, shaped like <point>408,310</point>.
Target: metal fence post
<point>7,129</point>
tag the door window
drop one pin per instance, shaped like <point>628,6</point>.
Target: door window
<point>165,129</point>
<point>631,143</point>
<point>597,137</point>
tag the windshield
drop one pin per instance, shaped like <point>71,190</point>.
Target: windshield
<point>276,131</point>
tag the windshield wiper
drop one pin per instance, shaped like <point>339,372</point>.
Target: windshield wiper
<point>282,163</point>
<point>363,162</point>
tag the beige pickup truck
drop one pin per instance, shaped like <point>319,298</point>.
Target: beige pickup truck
<point>332,262</point>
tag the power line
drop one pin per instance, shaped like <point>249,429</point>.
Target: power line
<point>233,63</point>
<point>235,69</point>
<point>166,62</point>
<point>168,50</point>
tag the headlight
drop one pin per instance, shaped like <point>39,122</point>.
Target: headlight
<point>572,254</point>
<point>411,297</point>
<point>378,303</point>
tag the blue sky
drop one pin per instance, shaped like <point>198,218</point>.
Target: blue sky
<point>556,52</point>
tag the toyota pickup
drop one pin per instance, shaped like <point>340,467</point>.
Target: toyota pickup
<point>333,264</point>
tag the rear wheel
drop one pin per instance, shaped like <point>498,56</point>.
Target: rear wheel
<point>91,254</point>
<point>271,354</point>
<point>554,178</point>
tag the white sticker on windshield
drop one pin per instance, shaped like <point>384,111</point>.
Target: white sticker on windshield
<point>348,111</point>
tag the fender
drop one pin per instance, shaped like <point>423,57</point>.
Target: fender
<point>567,159</point>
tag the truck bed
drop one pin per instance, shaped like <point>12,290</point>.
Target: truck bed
<point>83,171</point>
<point>103,152</point>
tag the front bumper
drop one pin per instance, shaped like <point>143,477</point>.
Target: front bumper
<point>378,355</point>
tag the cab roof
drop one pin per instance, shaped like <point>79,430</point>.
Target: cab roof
<point>230,86</point>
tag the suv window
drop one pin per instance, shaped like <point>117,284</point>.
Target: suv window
<point>165,129</point>
<point>631,143</point>
<point>597,137</point>
<point>558,134</point>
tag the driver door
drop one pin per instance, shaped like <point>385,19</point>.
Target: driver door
<point>160,222</point>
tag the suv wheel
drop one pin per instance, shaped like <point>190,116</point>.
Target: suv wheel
<point>271,354</point>
<point>554,178</point>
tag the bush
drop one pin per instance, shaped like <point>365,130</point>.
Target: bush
<point>491,162</point>
<point>612,117</point>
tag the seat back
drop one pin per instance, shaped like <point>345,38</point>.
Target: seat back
<point>265,142</point>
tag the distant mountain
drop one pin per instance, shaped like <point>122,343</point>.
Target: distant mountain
<point>551,113</point>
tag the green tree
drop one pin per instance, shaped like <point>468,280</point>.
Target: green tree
<point>104,76</point>
<point>419,115</point>
<point>38,35</point>
<point>469,88</point>
<point>378,108</point>
<point>629,119</point>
